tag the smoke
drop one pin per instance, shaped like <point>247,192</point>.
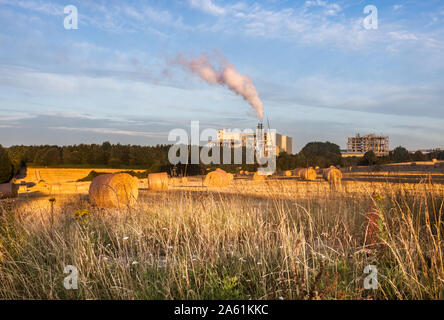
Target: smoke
<point>225,75</point>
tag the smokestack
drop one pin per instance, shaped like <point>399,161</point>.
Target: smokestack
<point>260,126</point>
<point>226,75</point>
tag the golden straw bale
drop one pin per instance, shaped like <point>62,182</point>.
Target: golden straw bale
<point>308,174</point>
<point>259,177</point>
<point>297,172</point>
<point>218,178</point>
<point>332,175</point>
<point>174,181</point>
<point>158,181</point>
<point>113,190</point>
<point>288,173</point>
<point>177,181</point>
<point>9,190</point>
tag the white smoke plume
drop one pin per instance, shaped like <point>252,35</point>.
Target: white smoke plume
<point>226,75</point>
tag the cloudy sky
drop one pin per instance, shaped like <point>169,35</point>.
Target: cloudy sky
<point>320,74</point>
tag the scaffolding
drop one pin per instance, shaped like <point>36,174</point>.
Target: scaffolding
<point>371,142</point>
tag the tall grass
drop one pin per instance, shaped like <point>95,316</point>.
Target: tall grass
<point>215,245</point>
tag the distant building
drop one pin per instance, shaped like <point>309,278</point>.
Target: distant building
<point>284,144</point>
<point>359,145</point>
<point>346,154</point>
<point>425,151</point>
<point>242,139</point>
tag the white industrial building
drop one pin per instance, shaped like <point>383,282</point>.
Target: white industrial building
<point>242,139</point>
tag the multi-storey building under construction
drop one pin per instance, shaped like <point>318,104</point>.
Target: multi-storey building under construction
<point>371,142</point>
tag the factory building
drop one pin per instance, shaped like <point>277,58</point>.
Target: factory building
<point>243,139</point>
<point>284,144</point>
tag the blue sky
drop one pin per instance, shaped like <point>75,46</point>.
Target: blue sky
<point>319,73</point>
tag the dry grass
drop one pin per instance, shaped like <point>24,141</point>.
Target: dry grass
<point>256,239</point>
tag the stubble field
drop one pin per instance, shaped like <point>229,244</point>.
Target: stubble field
<point>277,239</point>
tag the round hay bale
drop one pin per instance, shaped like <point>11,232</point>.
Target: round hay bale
<point>332,175</point>
<point>158,181</point>
<point>259,177</point>
<point>308,174</point>
<point>288,173</point>
<point>174,181</point>
<point>297,172</point>
<point>218,178</point>
<point>9,190</point>
<point>113,190</point>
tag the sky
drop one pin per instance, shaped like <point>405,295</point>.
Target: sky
<point>320,74</point>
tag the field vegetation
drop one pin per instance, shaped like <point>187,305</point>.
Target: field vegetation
<point>273,239</point>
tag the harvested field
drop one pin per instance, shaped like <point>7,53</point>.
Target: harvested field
<point>269,239</point>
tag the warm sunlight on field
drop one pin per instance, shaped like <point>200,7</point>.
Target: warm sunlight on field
<point>281,238</point>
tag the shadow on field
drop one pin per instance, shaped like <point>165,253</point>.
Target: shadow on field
<point>219,195</point>
<point>395,179</point>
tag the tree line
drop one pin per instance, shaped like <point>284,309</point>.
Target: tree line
<point>325,154</point>
<point>155,158</point>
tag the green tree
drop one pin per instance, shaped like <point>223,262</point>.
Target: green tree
<point>418,156</point>
<point>6,167</point>
<point>51,157</point>
<point>400,154</point>
<point>370,158</point>
<point>322,154</point>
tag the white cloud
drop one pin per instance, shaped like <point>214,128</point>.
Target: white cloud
<point>403,35</point>
<point>114,131</point>
<point>365,96</point>
<point>39,6</point>
<point>331,9</point>
<point>9,115</point>
<point>207,6</point>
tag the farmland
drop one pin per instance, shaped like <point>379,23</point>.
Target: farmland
<point>281,238</point>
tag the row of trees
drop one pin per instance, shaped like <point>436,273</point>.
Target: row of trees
<point>399,155</point>
<point>325,154</point>
<point>104,155</point>
<point>322,154</point>
<point>155,158</point>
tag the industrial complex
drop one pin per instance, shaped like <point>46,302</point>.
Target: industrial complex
<point>237,138</point>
